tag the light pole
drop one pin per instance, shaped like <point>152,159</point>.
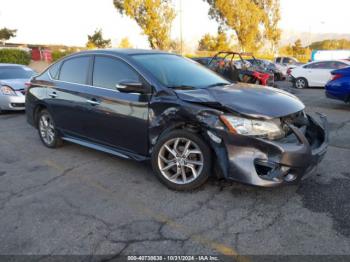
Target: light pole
<point>181,32</point>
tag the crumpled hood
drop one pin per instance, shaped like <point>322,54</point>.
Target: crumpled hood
<point>246,99</point>
<point>16,84</point>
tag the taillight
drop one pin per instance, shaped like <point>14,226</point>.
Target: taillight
<point>336,76</point>
<point>289,71</point>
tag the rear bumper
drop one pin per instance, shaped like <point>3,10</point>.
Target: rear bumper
<point>12,102</point>
<point>271,163</point>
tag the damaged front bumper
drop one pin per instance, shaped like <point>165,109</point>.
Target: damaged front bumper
<point>267,163</point>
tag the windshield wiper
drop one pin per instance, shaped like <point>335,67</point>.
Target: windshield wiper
<point>219,84</point>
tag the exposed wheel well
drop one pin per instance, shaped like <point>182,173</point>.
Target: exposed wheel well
<point>36,112</point>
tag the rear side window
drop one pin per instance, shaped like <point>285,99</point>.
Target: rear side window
<point>75,70</point>
<point>278,60</point>
<point>108,72</point>
<point>314,65</point>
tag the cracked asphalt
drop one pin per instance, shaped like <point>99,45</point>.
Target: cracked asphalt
<point>74,200</point>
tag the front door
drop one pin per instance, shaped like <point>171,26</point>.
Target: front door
<point>117,119</point>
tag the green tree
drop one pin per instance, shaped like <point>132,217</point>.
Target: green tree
<point>271,18</point>
<point>96,40</point>
<point>296,50</point>
<point>215,43</point>
<point>6,34</point>
<point>154,18</point>
<point>253,21</point>
<point>331,44</point>
<point>125,43</point>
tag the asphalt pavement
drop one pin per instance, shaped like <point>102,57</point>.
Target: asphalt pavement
<point>78,201</point>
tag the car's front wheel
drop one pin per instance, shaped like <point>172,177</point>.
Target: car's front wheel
<point>182,160</point>
<point>47,130</point>
<point>301,83</point>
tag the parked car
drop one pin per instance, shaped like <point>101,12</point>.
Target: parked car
<point>286,63</point>
<point>236,68</point>
<point>315,73</point>
<point>12,86</point>
<point>339,86</point>
<point>186,119</point>
<point>268,66</point>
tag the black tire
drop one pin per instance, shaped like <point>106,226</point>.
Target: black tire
<point>301,83</point>
<point>56,140</point>
<point>202,176</point>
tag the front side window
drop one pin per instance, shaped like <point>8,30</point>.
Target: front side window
<point>75,70</point>
<point>108,72</point>
<point>175,71</point>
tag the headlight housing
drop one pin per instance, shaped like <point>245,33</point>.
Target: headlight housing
<point>7,91</point>
<point>270,129</point>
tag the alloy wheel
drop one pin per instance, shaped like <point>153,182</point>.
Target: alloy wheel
<point>180,161</point>
<point>47,129</point>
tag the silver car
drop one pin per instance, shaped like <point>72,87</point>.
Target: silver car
<point>12,86</point>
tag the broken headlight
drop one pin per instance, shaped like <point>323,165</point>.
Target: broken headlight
<point>270,129</point>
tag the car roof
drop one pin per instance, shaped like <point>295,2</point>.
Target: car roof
<point>123,51</point>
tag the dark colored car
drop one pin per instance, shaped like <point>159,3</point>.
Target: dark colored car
<point>189,121</point>
<point>339,87</point>
<point>235,67</point>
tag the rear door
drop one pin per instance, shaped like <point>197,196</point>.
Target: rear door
<point>117,119</point>
<point>67,99</point>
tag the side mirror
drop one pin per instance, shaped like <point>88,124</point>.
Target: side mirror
<point>131,87</point>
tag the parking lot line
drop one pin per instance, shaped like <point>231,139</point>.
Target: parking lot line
<point>141,207</point>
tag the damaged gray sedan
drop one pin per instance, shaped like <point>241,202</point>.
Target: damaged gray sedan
<point>190,122</point>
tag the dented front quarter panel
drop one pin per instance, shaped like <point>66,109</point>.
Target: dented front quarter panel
<point>235,154</point>
<point>168,112</point>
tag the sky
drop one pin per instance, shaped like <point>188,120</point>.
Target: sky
<point>69,22</point>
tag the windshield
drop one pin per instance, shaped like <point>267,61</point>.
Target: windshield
<point>175,71</point>
<point>15,73</point>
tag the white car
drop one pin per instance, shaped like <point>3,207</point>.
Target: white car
<point>315,73</point>
<point>284,63</point>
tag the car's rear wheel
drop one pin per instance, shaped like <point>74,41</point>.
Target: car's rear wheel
<point>47,130</point>
<point>181,160</point>
<point>301,83</point>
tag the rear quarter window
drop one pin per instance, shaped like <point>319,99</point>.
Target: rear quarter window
<point>54,69</point>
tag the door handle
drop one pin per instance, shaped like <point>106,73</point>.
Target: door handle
<point>53,94</point>
<point>93,102</point>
